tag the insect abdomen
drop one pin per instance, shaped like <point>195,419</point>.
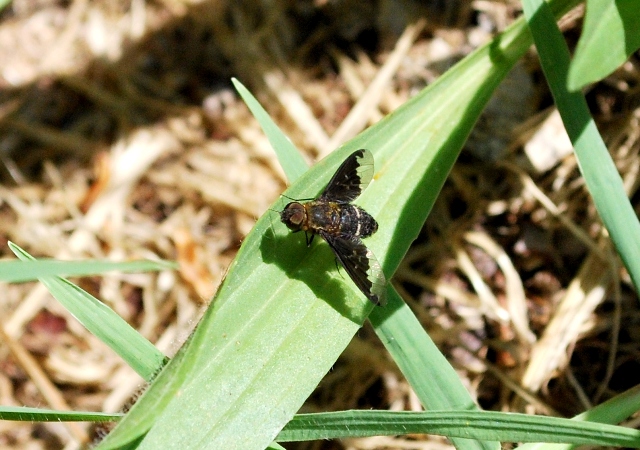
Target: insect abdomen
<point>356,221</point>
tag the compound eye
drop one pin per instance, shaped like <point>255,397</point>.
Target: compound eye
<point>297,217</point>
<point>293,216</point>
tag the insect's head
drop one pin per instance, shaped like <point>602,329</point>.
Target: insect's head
<point>293,216</point>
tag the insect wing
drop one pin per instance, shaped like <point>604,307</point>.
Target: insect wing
<point>361,265</point>
<point>351,178</point>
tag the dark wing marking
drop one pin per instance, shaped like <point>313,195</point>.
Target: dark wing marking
<point>361,265</point>
<point>351,178</point>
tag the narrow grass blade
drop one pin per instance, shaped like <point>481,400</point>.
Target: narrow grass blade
<point>612,411</point>
<point>611,33</point>
<point>600,174</point>
<point>26,414</point>
<point>290,158</point>
<point>275,446</point>
<point>481,425</point>
<point>431,376</point>
<point>21,271</point>
<point>105,324</point>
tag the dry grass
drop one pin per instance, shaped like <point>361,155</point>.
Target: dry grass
<point>121,138</point>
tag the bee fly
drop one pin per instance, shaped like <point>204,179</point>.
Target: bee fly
<point>342,224</point>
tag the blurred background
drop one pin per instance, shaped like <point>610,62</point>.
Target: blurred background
<point>121,138</point>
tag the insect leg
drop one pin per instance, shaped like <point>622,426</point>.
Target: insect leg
<point>309,240</point>
<point>336,261</point>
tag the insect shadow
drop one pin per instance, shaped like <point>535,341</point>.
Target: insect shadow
<point>290,252</point>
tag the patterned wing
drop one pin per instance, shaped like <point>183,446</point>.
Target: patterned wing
<point>351,178</point>
<point>361,265</point>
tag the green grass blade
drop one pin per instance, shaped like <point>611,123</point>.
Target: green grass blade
<point>21,271</point>
<point>612,411</point>
<point>26,414</point>
<point>611,33</point>
<point>275,446</point>
<point>103,322</point>
<point>481,425</point>
<point>290,158</point>
<point>131,430</point>
<point>283,314</point>
<point>600,174</point>
<point>427,370</point>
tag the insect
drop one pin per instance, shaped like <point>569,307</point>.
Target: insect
<point>342,224</point>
